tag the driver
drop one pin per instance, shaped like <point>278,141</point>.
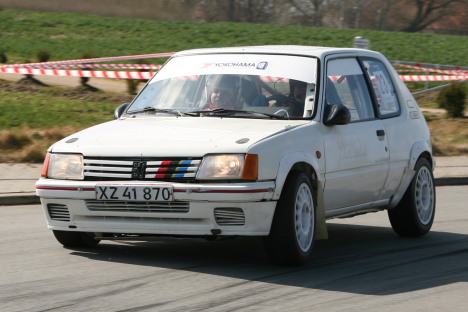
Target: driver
<point>222,91</point>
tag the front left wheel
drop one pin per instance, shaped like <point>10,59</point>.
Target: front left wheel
<point>293,229</point>
<point>76,239</point>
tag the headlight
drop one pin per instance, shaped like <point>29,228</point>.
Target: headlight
<point>236,166</point>
<point>65,166</point>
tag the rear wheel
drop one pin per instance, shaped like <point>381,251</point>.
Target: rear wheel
<point>293,230</point>
<point>76,239</point>
<point>414,214</point>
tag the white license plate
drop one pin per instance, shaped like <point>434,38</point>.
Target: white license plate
<point>134,192</point>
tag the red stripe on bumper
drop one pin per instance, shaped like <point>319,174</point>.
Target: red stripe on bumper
<point>222,191</point>
<point>65,188</point>
<point>175,190</point>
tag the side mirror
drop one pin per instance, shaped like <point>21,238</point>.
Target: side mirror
<point>120,110</point>
<point>337,114</point>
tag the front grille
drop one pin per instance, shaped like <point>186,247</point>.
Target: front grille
<point>229,216</point>
<point>152,169</point>
<point>137,206</point>
<point>58,212</point>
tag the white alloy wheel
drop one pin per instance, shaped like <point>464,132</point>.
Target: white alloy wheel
<point>414,214</point>
<point>292,232</point>
<point>424,195</point>
<point>304,216</point>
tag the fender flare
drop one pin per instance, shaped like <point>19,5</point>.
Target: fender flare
<point>286,164</point>
<point>417,150</point>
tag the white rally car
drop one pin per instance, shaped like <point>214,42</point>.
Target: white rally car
<point>265,141</point>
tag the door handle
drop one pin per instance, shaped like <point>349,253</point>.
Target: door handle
<point>380,133</point>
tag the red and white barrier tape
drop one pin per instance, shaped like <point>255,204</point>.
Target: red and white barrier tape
<point>433,77</point>
<point>148,75</point>
<point>80,73</point>
<point>66,68</point>
<point>96,60</point>
<point>157,67</point>
<point>426,65</point>
<point>92,66</point>
<point>428,70</point>
<point>432,70</point>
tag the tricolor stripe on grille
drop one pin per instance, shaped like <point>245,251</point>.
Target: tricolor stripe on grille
<point>156,169</point>
<point>171,169</point>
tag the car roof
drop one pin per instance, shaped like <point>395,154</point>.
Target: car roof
<point>316,51</point>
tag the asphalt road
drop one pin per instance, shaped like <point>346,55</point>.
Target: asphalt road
<point>364,266</point>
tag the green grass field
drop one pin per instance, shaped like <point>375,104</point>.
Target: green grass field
<point>43,110</point>
<point>69,35</point>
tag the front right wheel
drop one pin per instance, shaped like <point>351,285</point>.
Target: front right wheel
<point>414,215</point>
<point>293,229</point>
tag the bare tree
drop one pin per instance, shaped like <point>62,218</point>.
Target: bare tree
<point>406,15</point>
<point>255,11</point>
<point>427,12</point>
<point>351,12</point>
<point>252,11</point>
<point>339,13</point>
<point>311,11</point>
<point>204,11</point>
<point>383,11</point>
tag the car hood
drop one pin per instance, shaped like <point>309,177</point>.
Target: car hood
<point>172,136</point>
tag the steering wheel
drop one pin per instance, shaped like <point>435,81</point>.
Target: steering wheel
<point>284,101</point>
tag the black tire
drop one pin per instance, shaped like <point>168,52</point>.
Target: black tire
<point>414,214</point>
<point>76,239</point>
<point>293,229</point>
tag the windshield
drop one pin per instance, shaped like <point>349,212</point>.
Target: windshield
<point>256,85</point>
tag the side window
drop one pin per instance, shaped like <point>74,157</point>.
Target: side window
<point>346,85</point>
<point>387,99</point>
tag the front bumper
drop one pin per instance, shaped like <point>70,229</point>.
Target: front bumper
<point>228,208</point>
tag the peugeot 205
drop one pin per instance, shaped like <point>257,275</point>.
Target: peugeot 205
<point>268,141</point>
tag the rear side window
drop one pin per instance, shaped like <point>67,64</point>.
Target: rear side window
<point>387,100</point>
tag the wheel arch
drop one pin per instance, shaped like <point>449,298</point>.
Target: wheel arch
<point>304,162</point>
<point>418,150</point>
<point>421,149</point>
<point>429,158</point>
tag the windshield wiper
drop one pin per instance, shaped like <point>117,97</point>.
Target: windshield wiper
<point>233,112</point>
<point>150,109</point>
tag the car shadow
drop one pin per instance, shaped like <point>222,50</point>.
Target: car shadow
<point>356,258</point>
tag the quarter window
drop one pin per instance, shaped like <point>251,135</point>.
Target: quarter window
<point>387,100</point>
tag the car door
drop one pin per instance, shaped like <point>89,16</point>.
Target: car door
<point>357,157</point>
<point>400,136</point>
